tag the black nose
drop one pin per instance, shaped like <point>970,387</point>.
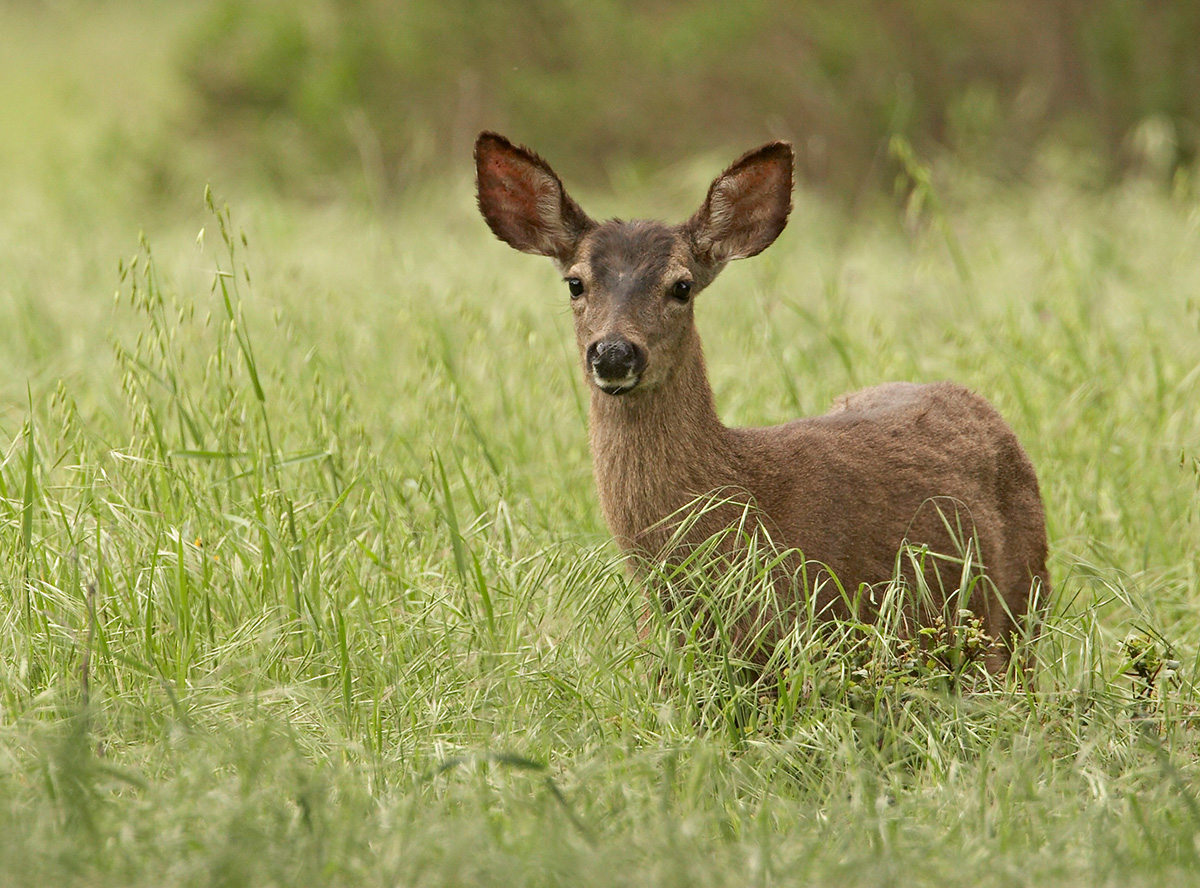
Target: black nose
<point>615,359</point>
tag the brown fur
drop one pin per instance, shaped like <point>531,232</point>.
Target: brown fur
<point>930,465</point>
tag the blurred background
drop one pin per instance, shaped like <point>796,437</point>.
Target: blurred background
<point>376,97</point>
<point>406,85</point>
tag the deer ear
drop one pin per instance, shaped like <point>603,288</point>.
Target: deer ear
<point>524,202</point>
<point>747,206</point>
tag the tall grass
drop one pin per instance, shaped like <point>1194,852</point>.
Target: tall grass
<point>302,578</point>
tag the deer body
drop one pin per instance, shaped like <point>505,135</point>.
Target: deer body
<point>928,465</point>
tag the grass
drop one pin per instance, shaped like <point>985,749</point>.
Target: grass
<point>303,581</point>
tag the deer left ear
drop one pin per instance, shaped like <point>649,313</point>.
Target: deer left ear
<point>524,201</point>
<point>747,206</point>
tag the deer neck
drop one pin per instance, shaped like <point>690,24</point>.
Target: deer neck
<point>655,451</point>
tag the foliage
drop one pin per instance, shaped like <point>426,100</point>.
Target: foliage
<point>394,91</point>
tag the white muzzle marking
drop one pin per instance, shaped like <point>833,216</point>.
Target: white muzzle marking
<point>615,386</point>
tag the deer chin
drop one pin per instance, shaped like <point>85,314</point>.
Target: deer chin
<point>616,386</point>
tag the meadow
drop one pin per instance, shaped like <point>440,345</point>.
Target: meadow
<point>303,579</point>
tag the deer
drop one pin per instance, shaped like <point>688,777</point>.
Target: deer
<point>896,467</point>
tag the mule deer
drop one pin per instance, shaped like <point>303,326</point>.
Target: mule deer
<point>845,491</point>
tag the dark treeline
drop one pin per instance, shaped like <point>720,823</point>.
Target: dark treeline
<point>399,89</point>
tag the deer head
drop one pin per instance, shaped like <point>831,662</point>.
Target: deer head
<point>633,284</point>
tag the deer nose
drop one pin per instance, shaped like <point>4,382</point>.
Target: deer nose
<point>615,364</point>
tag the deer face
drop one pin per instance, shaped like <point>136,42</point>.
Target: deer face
<point>631,287</point>
<point>632,284</point>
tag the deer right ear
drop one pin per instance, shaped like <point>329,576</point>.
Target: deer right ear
<point>524,202</point>
<point>746,207</point>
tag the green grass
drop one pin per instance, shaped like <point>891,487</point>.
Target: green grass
<point>303,580</point>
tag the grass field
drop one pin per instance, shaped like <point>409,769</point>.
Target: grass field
<point>303,580</point>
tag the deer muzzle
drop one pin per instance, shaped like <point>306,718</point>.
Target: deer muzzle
<point>616,365</point>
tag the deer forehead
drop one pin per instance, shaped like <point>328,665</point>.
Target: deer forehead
<point>631,258</point>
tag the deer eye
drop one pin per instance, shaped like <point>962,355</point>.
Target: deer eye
<point>575,285</point>
<point>681,290</point>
